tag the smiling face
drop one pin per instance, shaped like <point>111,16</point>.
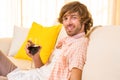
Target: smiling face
<point>71,22</point>
<point>76,18</point>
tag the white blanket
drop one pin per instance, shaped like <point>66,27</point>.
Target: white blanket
<point>42,73</point>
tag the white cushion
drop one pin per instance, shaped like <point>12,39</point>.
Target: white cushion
<point>103,54</point>
<point>19,36</point>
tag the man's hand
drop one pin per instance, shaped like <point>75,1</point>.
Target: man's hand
<point>76,74</point>
<point>36,57</point>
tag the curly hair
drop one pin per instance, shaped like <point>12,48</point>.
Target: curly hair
<point>83,12</point>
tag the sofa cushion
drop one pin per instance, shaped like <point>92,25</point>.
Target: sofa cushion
<point>5,45</point>
<point>19,35</point>
<point>45,36</point>
<point>3,78</point>
<point>22,64</point>
<point>103,54</point>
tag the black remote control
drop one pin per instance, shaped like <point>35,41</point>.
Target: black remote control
<point>33,49</point>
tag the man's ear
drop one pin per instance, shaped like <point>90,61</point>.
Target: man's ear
<point>83,26</point>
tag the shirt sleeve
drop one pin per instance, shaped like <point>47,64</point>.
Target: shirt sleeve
<point>78,55</point>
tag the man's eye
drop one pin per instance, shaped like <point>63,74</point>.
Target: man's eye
<point>64,19</point>
<point>74,17</point>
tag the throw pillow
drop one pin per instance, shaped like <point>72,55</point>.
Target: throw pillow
<point>19,36</point>
<point>46,37</point>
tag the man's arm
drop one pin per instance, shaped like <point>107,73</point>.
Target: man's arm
<point>36,57</point>
<point>37,60</point>
<point>76,74</point>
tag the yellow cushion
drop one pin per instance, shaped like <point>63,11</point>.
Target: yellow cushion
<point>44,36</point>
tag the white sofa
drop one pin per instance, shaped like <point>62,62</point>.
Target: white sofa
<point>103,54</point>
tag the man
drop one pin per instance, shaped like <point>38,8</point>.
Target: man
<point>69,54</point>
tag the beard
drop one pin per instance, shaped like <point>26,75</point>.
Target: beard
<point>72,30</point>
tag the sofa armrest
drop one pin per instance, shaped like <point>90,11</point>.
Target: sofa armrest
<point>5,45</point>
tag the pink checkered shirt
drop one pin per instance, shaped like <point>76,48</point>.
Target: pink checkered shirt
<point>73,55</point>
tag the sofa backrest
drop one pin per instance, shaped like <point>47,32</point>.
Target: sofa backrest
<point>103,54</point>
<point>5,45</point>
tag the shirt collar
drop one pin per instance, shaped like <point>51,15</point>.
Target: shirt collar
<point>77,35</point>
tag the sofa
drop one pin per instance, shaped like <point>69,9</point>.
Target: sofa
<point>103,53</point>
